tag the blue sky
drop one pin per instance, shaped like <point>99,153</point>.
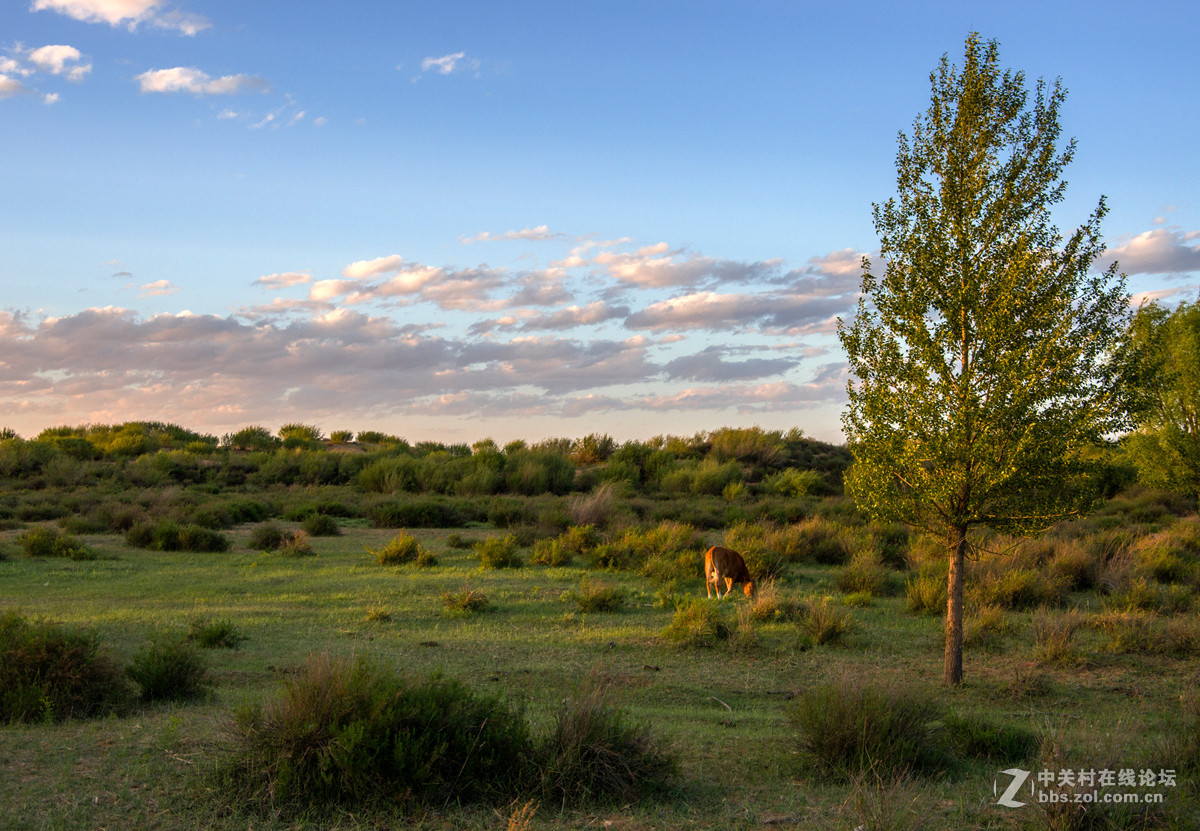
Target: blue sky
<point>455,220</point>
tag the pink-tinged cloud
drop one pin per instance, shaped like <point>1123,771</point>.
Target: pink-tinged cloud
<point>1160,251</point>
<point>656,266</point>
<point>191,80</point>
<point>159,288</point>
<point>128,12</point>
<point>362,269</point>
<point>283,280</point>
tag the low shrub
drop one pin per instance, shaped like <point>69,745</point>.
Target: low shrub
<point>213,634</point>
<point>891,541</point>
<point>698,622</point>
<point>866,573</point>
<point>466,602</point>
<point>824,621</point>
<point>349,735</point>
<point>593,509</point>
<point>851,727</point>
<point>986,626</point>
<point>50,672</point>
<point>266,537</point>
<point>417,513</point>
<point>1054,637</point>
<point>321,525</point>
<point>550,552</point>
<point>1077,568</point>
<point>458,541</point>
<point>498,552</point>
<point>403,548</point>
<point>45,541</point>
<point>769,604</point>
<point>594,753</point>
<point>170,669</point>
<point>597,597</point>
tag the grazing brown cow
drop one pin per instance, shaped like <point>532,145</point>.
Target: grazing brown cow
<point>725,564</point>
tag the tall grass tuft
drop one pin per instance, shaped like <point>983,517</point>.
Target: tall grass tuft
<point>597,597</point>
<point>851,726</point>
<point>698,623</point>
<point>403,548</point>
<point>824,621</point>
<point>594,753</point>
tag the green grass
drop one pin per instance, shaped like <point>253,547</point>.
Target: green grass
<point>722,710</point>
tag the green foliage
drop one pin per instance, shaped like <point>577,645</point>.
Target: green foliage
<point>266,537</point>
<point>824,621</point>
<point>597,597</point>
<point>466,602</point>
<point>852,726</point>
<point>251,439</point>
<point>321,525</point>
<point>594,753</point>
<point>342,735</point>
<point>698,622</point>
<point>413,513</point>
<point>213,634</point>
<point>50,672</point>
<point>168,535</point>
<point>44,541</point>
<point>866,573</point>
<point>341,436</point>
<point>403,548</point>
<point>170,669</point>
<point>793,483</point>
<point>498,552</point>
<point>1163,351</point>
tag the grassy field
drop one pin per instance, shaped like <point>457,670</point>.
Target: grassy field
<point>722,709</point>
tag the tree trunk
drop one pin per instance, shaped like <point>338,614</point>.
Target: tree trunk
<point>957,542</point>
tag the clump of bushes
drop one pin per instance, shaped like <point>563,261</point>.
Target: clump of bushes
<point>358,734</point>
<point>50,672</point>
<point>769,604</point>
<point>170,669</point>
<point>45,541</point>
<point>1054,637</point>
<point>403,548</point>
<point>498,552</point>
<point>168,535</point>
<point>597,597</point>
<point>866,573</point>
<point>852,726</point>
<point>925,592</point>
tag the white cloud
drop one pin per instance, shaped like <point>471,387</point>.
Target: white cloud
<point>541,232</point>
<point>447,64</point>
<point>190,79</point>
<point>131,13</point>
<point>50,98</point>
<point>1161,251</point>
<point>60,59</point>
<point>657,266</point>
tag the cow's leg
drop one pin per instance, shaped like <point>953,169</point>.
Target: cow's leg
<point>709,579</point>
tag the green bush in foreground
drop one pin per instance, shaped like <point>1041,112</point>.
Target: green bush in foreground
<point>403,548</point>
<point>213,634</point>
<point>498,552</point>
<point>698,622</point>
<point>167,535</point>
<point>357,734</point>
<point>50,672</point>
<point>170,669</point>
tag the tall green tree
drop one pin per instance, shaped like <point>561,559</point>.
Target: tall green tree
<point>1165,350</point>
<point>981,356</point>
